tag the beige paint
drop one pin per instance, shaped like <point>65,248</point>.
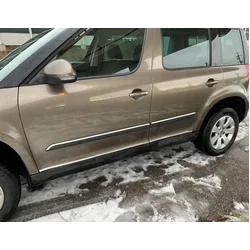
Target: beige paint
<point>11,131</point>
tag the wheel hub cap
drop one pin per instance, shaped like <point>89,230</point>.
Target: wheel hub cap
<point>222,132</point>
<point>1,197</point>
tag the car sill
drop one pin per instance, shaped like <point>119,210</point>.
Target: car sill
<point>61,170</point>
<point>116,151</point>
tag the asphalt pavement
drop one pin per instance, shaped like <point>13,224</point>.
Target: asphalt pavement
<point>195,193</point>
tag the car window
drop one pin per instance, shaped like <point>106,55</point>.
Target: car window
<point>231,47</point>
<point>106,52</point>
<point>184,48</point>
<point>7,59</point>
<point>78,51</point>
<point>19,55</point>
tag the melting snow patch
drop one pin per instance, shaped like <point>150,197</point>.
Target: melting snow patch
<point>240,213</point>
<point>127,170</point>
<point>243,129</point>
<point>188,179</point>
<point>169,189</point>
<point>134,179</point>
<point>69,184</point>
<point>175,168</point>
<point>246,149</point>
<point>238,206</point>
<point>211,181</point>
<point>180,210</point>
<point>99,212</point>
<point>200,159</point>
<point>118,192</point>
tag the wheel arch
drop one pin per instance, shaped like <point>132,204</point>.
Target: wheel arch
<point>16,157</point>
<point>238,102</point>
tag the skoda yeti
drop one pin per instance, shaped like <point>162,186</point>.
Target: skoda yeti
<point>72,99</point>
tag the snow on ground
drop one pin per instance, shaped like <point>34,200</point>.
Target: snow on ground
<point>125,169</point>
<point>240,213</point>
<point>208,181</point>
<point>178,209</point>
<point>243,129</point>
<point>238,206</point>
<point>99,212</point>
<point>178,206</point>
<point>169,189</point>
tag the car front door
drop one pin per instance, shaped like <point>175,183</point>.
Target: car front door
<point>106,110</point>
<point>184,76</point>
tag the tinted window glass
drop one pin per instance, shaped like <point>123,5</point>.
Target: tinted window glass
<point>106,52</point>
<point>184,48</point>
<point>231,47</point>
<point>79,50</point>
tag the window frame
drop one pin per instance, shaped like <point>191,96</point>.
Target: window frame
<point>242,47</point>
<point>115,75</point>
<point>193,67</point>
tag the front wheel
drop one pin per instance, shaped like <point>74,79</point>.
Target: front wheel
<point>218,135</point>
<point>10,191</point>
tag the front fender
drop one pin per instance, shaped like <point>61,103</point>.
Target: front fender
<point>19,148</point>
<point>11,130</point>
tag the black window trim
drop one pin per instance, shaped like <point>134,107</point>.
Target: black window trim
<point>184,68</point>
<point>245,43</point>
<point>242,47</point>
<point>210,49</point>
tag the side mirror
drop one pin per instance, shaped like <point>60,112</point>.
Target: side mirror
<point>59,71</point>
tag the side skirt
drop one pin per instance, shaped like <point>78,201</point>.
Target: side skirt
<point>53,173</point>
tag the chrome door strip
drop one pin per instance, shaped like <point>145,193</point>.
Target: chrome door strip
<point>92,137</point>
<point>88,138</point>
<point>90,157</point>
<point>174,118</point>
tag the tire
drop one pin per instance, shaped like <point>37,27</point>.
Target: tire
<point>10,192</point>
<point>214,139</point>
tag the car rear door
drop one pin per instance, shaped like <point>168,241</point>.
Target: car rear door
<point>184,76</point>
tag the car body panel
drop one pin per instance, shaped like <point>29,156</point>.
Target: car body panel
<point>11,130</point>
<point>235,84</point>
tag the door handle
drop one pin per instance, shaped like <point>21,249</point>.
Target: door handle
<point>138,93</point>
<point>211,82</point>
